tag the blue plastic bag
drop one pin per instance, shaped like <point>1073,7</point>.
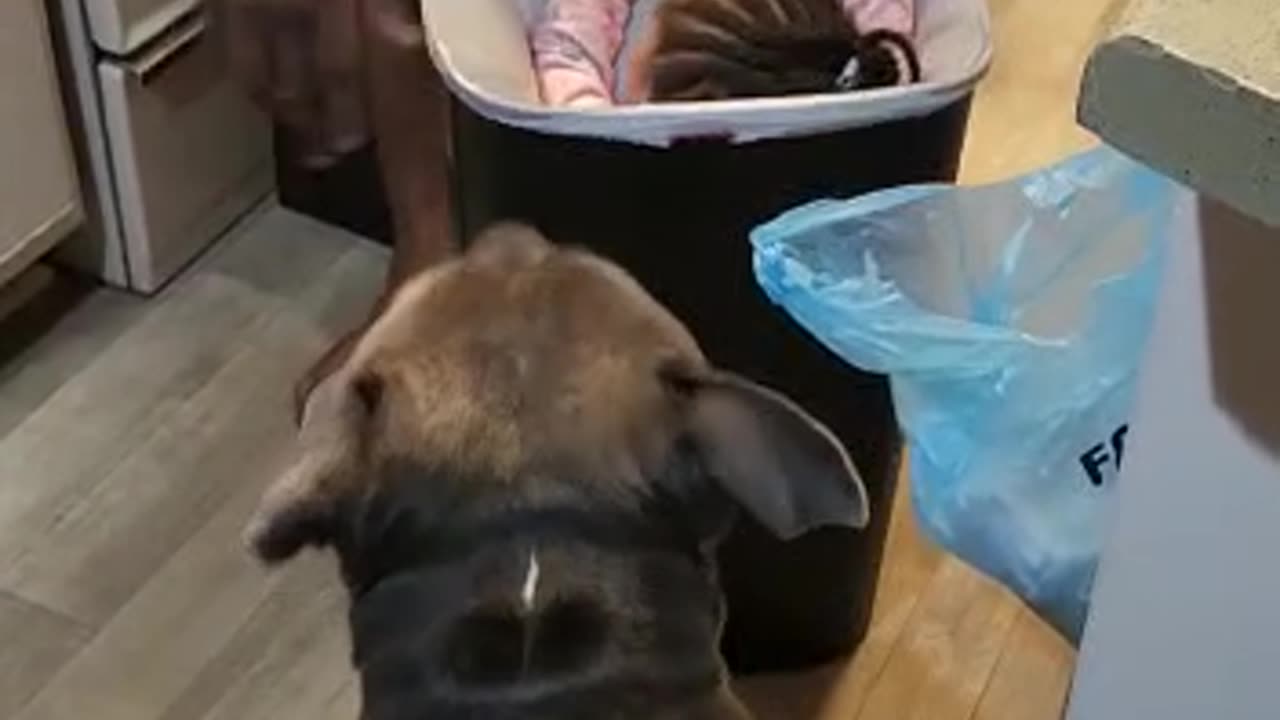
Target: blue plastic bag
<point>1010,319</point>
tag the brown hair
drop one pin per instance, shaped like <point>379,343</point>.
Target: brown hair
<point>722,49</point>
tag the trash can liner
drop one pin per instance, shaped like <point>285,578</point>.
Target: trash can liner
<point>1011,320</point>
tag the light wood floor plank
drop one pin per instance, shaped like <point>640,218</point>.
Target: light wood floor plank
<point>89,559</point>
<point>190,609</point>
<point>943,661</point>
<point>1024,112</point>
<point>176,625</point>
<point>34,643</point>
<point>52,338</point>
<point>84,432</point>
<point>1031,680</point>
<point>290,659</point>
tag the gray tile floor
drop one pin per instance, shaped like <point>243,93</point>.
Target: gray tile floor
<point>135,437</point>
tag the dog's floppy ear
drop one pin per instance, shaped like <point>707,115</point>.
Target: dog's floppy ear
<point>783,466</point>
<point>300,508</point>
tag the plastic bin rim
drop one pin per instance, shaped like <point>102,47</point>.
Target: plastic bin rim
<point>739,121</point>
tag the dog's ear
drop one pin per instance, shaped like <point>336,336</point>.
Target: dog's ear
<point>783,466</point>
<point>301,507</point>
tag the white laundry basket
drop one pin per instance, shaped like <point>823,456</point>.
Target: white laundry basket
<point>670,192</point>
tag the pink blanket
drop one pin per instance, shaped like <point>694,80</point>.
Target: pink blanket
<point>575,46</point>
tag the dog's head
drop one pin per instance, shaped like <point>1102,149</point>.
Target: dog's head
<point>520,361</point>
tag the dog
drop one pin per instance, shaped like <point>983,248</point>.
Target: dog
<point>524,467</point>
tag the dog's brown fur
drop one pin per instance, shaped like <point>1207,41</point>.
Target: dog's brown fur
<point>524,466</point>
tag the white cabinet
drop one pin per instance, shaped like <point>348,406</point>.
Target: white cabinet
<point>121,27</point>
<point>1185,623</point>
<point>189,152</point>
<point>39,197</point>
<point>172,148</point>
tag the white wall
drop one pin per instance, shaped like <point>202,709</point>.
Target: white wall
<point>1186,611</point>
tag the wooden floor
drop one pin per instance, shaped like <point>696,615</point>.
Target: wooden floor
<point>135,437</point>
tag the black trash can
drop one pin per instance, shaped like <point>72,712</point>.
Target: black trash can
<point>677,215</point>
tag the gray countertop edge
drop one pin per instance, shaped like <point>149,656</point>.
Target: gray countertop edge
<point>1187,121</point>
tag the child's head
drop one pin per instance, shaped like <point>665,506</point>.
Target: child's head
<point>721,49</point>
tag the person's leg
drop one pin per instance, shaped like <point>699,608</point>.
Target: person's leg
<point>408,116</point>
